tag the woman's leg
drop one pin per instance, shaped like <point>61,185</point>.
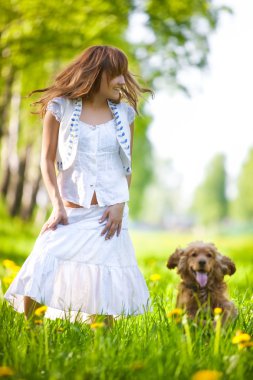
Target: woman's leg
<point>30,306</point>
<point>109,320</point>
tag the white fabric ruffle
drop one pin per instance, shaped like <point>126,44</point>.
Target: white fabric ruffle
<point>74,269</point>
<point>130,113</point>
<point>56,107</point>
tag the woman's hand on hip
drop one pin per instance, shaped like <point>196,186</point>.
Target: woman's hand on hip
<point>114,214</point>
<point>58,216</point>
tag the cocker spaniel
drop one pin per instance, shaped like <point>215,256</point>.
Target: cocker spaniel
<point>202,269</point>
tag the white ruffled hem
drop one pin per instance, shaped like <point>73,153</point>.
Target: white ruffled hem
<point>88,288</point>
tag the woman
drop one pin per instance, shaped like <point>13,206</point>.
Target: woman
<point>83,262</point>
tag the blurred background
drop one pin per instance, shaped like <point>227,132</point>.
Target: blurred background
<point>193,149</point>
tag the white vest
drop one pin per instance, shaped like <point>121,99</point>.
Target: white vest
<point>69,133</point>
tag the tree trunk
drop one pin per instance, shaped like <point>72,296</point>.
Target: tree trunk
<point>11,152</point>
<point>5,180</point>
<point>14,208</point>
<point>5,169</point>
<point>5,101</point>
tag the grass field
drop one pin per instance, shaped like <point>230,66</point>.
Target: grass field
<point>151,346</point>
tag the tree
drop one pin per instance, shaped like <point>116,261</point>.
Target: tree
<point>243,205</point>
<point>210,202</point>
<point>178,40</point>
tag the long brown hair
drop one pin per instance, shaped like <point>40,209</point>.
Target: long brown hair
<point>82,77</point>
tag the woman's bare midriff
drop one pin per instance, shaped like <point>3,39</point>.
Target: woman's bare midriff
<point>74,205</point>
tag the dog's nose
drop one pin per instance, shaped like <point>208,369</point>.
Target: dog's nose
<point>202,263</point>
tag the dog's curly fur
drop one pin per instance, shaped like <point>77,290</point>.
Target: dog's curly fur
<point>203,259</point>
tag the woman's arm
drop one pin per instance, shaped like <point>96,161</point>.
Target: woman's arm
<point>48,153</point>
<point>114,213</point>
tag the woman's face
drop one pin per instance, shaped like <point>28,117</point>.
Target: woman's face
<point>112,89</point>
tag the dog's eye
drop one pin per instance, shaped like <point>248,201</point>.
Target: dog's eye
<point>209,255</point>
<point>194,254</point>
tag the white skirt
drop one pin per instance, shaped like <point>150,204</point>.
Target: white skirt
<point>76,272</point>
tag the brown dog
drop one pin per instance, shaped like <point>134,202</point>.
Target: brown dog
<point>202,269</point>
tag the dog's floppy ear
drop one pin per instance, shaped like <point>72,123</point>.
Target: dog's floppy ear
<point>227,265</point>
<point>174,258</point>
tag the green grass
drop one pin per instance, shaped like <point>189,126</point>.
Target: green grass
<point>150,346</point>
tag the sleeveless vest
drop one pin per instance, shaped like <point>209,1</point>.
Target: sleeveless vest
<point>69,133</point>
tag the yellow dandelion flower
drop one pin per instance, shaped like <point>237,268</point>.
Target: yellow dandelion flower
<point>15,268</point>
<point>8,263</point>
<point>40,311</point>
<point>175,312</point>
<point>155,277</point>
<point>241,338</point>
<point>7,280</point>
<point>96,325</point>
<point>6,371</point>
<point>217,310</point>
<point>207,374</point>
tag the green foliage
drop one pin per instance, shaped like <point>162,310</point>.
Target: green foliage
<point>243,205</point>
<point>210,202</point>
<point>142,347</point>
<point>32,33</point>
<point>180,31</point>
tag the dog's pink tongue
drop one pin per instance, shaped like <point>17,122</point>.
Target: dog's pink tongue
<point>201,278</point>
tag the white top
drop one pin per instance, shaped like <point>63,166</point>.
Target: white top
<point>97,166</point>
